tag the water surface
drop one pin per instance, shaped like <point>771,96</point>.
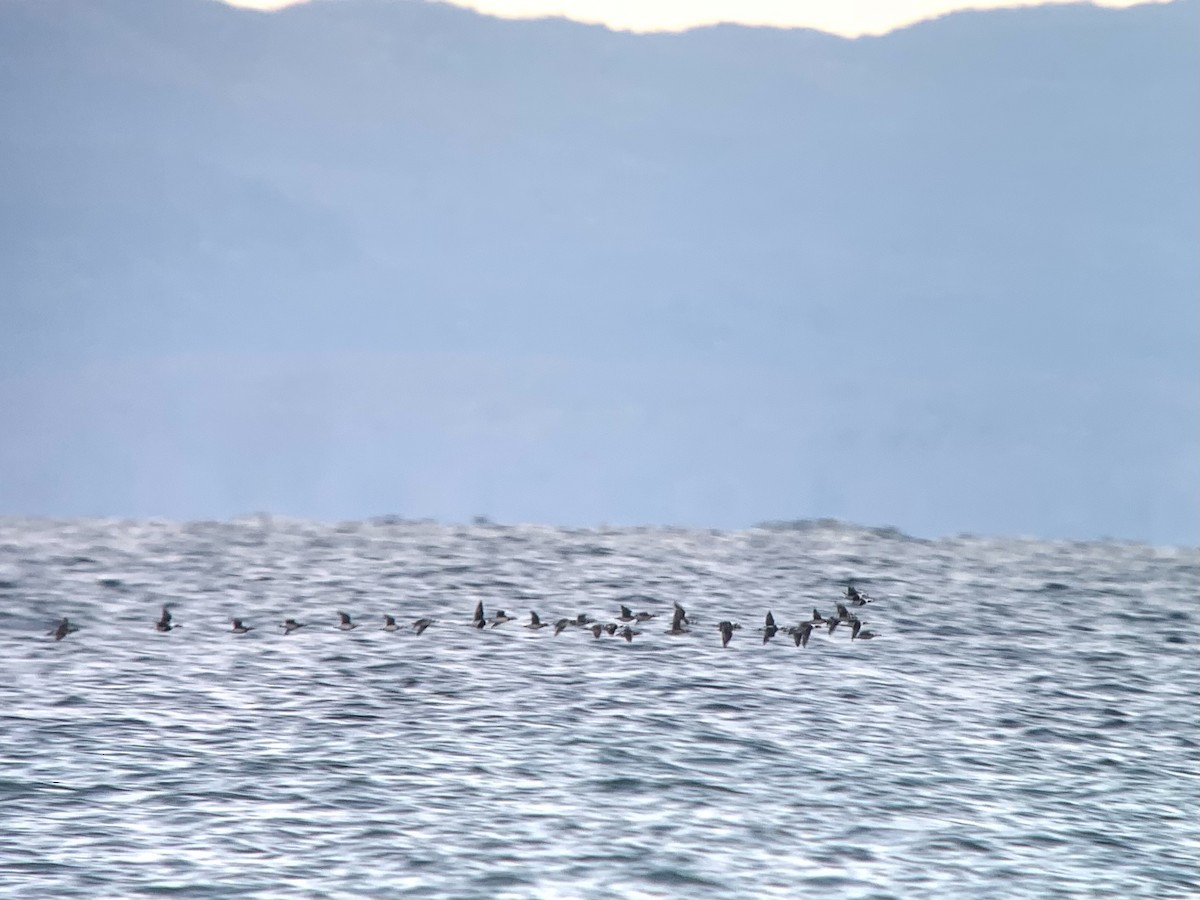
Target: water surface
<point>1024,725</point>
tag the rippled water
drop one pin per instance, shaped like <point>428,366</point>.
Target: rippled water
<point>1024,725</point>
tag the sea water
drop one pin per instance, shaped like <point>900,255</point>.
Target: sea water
<point>1024,723</point>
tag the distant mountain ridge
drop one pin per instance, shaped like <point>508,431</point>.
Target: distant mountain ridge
<point>976,234</point>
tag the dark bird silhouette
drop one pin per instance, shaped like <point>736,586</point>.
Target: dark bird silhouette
<point>389,623</point>
<point>534,622</point>
<point>290,625</point>
<point>678,621</point>
<point>628,633</point>
<point>345,624</point>
<point>857,597</point>
<point>164,621</point>
<point>769,628</point>
<point>626,614</point>
<point>800,635</point>
<point>726,632</point>
<point>478,619</point>
<point>64,628</point>
<point>421,624</point>
<point>239,628</point>
<point>560,625</point>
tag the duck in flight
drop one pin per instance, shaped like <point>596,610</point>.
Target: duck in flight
<point>389,623</point>
<point>726,632</point>
<point>770,629</point>
<point>290,625</point>
<point>560,625</point>
<point>534,622</point>
<point>857,597</point>
<point>478,619</point>
<point>421,624</point>
<point>345,624</point>
<point>628,633</point>
<point>239,628</point>
<point>164,622</point>
<point>62,630</point>
<point>678,621</point>
<point>801,632</point>
<point>500,618</point>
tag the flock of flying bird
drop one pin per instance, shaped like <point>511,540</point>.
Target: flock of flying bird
<point>680,623</point>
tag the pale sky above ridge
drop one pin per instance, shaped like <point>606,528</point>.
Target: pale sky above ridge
<point>849,18</point>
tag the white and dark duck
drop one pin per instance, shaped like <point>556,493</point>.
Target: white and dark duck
<point>344,623</point>
<point>389,623</point>
<point>856,597</point>
<point>290,625</point>
<point>164,621</point>
<point>239,627</point>
<point>535,622</point>
<point>769,629</point>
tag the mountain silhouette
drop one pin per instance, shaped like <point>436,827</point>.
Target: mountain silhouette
<point>363,257</point>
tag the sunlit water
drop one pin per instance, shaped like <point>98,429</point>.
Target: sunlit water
<point>1024,725</point>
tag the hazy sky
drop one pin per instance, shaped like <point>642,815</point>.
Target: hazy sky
<point>942,280</point>
<point>846,17</point>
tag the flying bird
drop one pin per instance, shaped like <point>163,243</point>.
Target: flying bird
<point>164,621</point>
<point>769,628</point>
<point>64,628</point>
<point>726,633</point>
